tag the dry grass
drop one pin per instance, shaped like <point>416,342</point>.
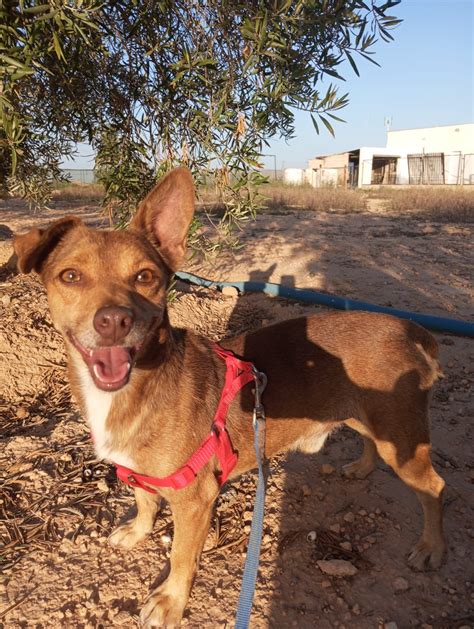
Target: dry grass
<point>281,196</point>
<point>435,203</point>
<point>86,192</point>
<point>444,204</point>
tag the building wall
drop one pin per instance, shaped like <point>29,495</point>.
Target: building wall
<point>330,170</point>
<point>456,142</point>
<point>446,139</point>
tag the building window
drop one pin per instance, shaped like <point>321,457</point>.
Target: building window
<point>426,168</point>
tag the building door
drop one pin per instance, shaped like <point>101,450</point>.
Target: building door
<point>426,168</point>
<point>384,170</point>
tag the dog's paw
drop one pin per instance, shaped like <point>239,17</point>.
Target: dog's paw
<point>425,556</point>
<point>162,609</point>
<point>127,536</point>
<point>358,469</point>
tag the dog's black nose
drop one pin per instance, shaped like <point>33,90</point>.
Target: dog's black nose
<point>113,323</point>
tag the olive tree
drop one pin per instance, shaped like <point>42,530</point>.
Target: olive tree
<point>152,84</point>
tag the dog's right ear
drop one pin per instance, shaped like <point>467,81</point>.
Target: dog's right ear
<point>165,214</point>
<point>33,248</point>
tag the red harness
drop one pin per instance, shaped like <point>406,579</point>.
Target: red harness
<point>238,374</point>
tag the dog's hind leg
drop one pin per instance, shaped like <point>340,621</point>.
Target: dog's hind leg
<point>133,532</point>
<point>418,473</point>
<point>402,439</point>
<point>367,462</point>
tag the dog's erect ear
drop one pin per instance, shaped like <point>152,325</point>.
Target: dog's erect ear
<point>34,247</point>
<point>165,214</point>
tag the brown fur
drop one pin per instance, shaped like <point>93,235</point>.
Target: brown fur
<point>371,372</point>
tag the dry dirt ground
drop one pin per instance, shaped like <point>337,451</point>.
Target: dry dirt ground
<point>57,568</point>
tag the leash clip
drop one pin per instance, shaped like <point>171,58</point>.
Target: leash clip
<point>260,383</point>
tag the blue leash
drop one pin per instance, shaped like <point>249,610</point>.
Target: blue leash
<point>252,559</point>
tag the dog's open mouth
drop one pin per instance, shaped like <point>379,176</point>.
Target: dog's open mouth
<point>109,367</point>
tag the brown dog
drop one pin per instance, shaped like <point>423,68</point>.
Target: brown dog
<point>150,391</point>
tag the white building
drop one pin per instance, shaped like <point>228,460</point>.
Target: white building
<point>432,156</point>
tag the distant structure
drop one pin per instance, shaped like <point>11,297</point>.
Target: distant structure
<point>430,156</point>
<point>294,176</point>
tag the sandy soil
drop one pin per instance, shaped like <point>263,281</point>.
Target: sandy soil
<point>57,567</point>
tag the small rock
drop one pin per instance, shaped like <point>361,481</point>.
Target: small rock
<point>400,584</point>
<point>447,341</point>
<point>356,609</point>
<point>349,517</point>
<point>362,512</point>
<point>346,546</point>
<point>326,583</point>
<point>390,625</point>
<point>337,568</point>
<point>335,528</point>
<point>102,485</point>
<point>81,611</point>
<point>230,291</point>
<point>165,539</point>
<point>311,536</point>
<point>6,299</point>
<point>327,469</point>
<point>66,546</point>
<point>21,412</point>
<point>306,490</point>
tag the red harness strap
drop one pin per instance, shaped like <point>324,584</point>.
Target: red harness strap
<point>238,374</point>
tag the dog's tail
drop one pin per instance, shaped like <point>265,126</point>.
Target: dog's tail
<point>427,346</point>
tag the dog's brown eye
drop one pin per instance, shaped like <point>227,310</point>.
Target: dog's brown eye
<point>145,276</point>
<point>70,276</point>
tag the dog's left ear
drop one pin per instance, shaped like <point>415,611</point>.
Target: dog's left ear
<point>33,248</point>
<point>165,214</point>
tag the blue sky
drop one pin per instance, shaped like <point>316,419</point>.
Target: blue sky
<point>426,79</point>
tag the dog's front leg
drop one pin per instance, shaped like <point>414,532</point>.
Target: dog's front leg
<point>191,518</point>
<point>133,532</point>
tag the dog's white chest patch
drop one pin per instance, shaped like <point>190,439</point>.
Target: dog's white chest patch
<point>98,405</point>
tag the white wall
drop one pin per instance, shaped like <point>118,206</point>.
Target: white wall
<point>446,139</point>
<point>294,176</point>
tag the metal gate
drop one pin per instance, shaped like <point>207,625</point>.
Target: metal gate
<point>426,168</point>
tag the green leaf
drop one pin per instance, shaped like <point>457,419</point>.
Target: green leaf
<point>328,126</point>
<point>57,47</point>
<point>352,62</point>
<point>315,124</point>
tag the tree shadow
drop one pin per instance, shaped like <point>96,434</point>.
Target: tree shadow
<point>400,262</point>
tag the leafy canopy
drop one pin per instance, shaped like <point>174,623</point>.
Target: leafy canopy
<point>150,84</point>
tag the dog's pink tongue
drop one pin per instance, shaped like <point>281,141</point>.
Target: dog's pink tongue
<point>111,364</point>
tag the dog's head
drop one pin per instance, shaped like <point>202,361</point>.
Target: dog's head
<point>107,289</point>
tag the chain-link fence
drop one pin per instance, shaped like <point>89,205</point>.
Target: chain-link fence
<point>80,175</point>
